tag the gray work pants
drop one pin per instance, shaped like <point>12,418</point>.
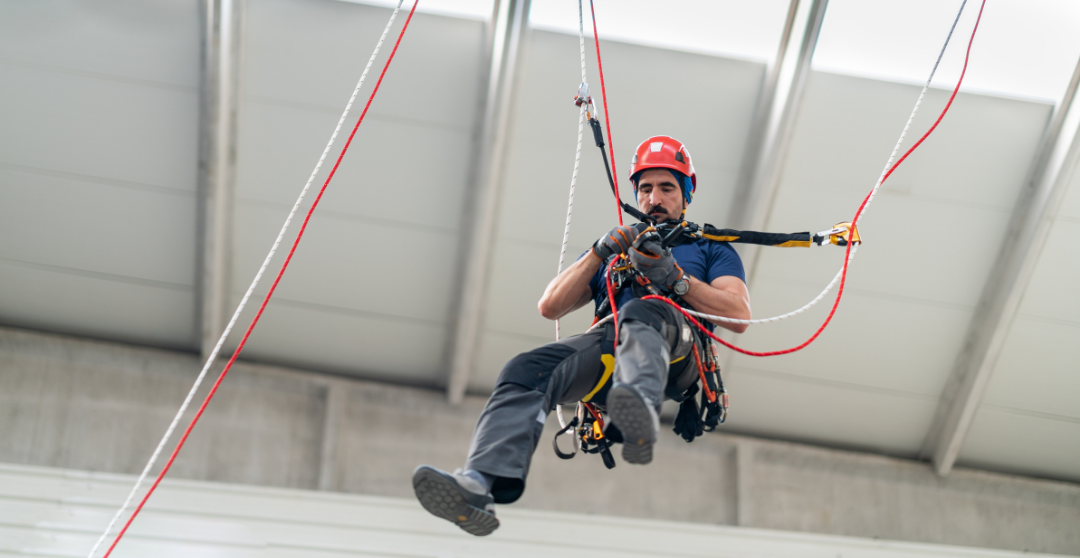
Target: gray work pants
<point>654,338</point>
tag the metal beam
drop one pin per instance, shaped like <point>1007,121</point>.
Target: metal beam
<point>507,29</point>
<point>1024,240</point>
<point>774,119</point>
<point>218,99</point>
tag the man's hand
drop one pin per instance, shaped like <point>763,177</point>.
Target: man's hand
<point>617,241</point>
<point>655,262</point>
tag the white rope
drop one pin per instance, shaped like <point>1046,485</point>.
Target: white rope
<point>577,152</point>
<point>247,295</point>
<point>573,178</point>
<point>870,199</point>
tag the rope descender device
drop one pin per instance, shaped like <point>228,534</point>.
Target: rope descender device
<point>582,97</point>
<point>840,235</point>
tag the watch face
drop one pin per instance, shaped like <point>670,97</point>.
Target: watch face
<point>681,286</point>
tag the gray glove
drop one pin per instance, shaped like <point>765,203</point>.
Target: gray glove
<point>617,241</point>
<point>655,262</point>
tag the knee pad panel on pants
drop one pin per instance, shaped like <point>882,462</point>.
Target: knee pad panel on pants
<point>532,370</point>
<point>651,313</point>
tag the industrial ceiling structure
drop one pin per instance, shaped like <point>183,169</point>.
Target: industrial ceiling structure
<point>127,215</point>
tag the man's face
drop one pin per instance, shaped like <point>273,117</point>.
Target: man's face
<point>659,195</point>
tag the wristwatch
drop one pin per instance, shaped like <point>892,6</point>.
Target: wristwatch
<point>682,285</point>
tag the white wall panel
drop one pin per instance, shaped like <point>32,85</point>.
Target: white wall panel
<point>59,512</point>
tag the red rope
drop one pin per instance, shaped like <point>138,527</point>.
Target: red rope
<point>607,118</point>
<point>611,298</point>
<point>269,293</point>
<point>854,221</point>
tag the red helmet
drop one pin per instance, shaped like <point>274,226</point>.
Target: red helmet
<point>663,152</point>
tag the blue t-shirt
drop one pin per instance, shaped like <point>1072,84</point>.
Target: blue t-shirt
<point>703,259</point>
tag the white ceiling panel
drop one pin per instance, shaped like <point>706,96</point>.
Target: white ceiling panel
<point>1021,442</point>
<point>95,304</point>
<point>342,262</point>
<point>1052,291</point>
<point>1037,369</point>
<point>1070,204</point>
<point>519,276</point>
<point>105,228</point>
<point>341,340</point>
<point>144,40</point>
<point>98,167</point>
<point>873,340</point>
<point>833,413</point>
<point>98,127</point>
<point>427,169</point>
<point>312,52</point>
<point>847,127</point>
<point>915,248</point>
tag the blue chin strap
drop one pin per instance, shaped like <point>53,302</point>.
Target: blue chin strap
<point>680,178</point>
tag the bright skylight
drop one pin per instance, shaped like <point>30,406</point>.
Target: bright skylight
<point>472,9</point>
<point>739,28</point>
<point>1024,48</point>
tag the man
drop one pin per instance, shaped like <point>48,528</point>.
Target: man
<point>650,362</point>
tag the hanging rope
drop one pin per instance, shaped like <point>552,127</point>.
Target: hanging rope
<point>269,293</point>
<point>849,253</point>
<point>607,116</point>
<point>583,104</point>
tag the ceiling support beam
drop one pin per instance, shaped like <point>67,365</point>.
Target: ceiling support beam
<point>218,102</point>
<point>774,120</point>
<point>1028,229</point>
<point>506,33</point>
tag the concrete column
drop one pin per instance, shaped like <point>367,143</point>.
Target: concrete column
<point>744,483</point>
<point>328,456</point>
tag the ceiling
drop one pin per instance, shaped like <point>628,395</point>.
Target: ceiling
<point>98,211</point>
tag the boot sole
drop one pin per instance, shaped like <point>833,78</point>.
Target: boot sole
<point>635,420</point>
<point>442,498</point>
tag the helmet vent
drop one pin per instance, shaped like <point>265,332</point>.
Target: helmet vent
<point>679,157</point>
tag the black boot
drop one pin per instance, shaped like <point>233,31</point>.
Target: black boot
<point>456,498</point>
